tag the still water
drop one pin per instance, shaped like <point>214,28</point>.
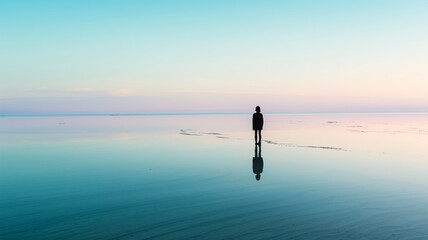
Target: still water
<point>194,177</point>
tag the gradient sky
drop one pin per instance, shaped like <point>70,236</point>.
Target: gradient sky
<point>213,56</point>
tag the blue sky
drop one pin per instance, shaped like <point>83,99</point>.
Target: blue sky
<point>63,56</point>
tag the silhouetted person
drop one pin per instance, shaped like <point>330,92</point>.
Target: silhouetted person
<point>258,162</point>
<point>257,124</point>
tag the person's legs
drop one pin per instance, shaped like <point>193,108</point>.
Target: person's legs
<point>255,152</point>
<point>255,136</point>
<point>260,136</point>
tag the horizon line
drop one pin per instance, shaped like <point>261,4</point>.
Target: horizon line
<point>197,113</point>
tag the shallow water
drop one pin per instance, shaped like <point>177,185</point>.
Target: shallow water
<point>192,177</point>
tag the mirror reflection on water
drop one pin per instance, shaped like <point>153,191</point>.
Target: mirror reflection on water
<point>331,176</point>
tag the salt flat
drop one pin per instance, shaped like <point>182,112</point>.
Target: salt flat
<point>324,176</point>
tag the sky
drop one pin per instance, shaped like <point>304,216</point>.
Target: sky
<point>213,56</point>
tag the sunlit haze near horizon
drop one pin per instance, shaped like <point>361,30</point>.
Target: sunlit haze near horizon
<point>59,57</point>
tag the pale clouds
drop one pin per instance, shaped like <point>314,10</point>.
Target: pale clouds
<point>115,92</point>
<point>122,92</point>
<point>81,90</point>
<point>43,91</point>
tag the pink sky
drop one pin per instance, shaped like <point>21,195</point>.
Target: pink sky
<point>208,102</point>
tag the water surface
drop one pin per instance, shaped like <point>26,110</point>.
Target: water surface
<point>326,176</point>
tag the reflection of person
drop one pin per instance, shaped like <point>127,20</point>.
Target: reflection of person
<point>257,124</point>
<point>258,162</point>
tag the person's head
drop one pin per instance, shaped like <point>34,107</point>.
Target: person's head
<point>258,177</point>
<point>258,109</point>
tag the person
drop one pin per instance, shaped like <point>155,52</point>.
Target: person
<point>257,125</point>
<point>258,162</point>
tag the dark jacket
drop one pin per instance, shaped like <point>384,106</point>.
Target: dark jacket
<point>257,165</point>
<point>257,121</point>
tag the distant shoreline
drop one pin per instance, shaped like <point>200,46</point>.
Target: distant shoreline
<point>201,114</point>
